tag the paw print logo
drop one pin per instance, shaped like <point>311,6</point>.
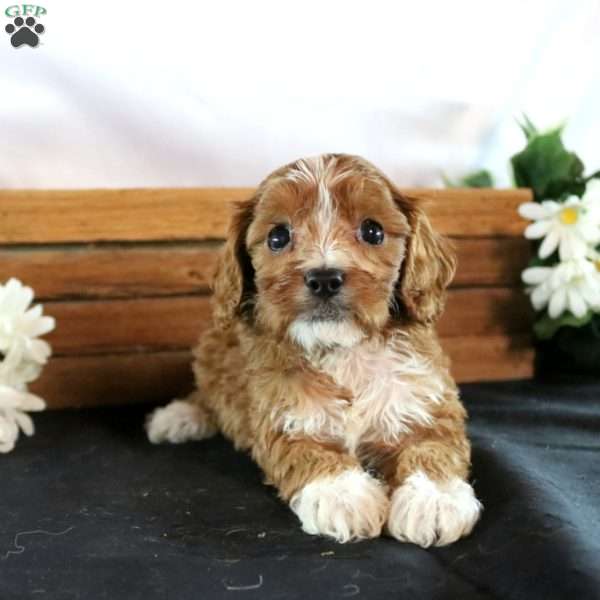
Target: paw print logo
<point>24,32</point>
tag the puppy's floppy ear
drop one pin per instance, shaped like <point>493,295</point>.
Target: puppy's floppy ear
<point>428,266</point>
<point>233,283</point>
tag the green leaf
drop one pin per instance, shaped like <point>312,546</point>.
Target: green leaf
<point>477,179</point>
<point>528,128</point>
<point>547,167</point>
<point>545,327</point>
<point>536,261</point>
<point>595,175</point>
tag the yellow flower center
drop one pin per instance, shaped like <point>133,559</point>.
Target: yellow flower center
<point>597,265</point>
<point>569,215</point>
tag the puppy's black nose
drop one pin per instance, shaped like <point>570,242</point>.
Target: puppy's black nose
<point>324,283</point>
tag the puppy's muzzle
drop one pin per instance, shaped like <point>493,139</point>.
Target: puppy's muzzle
<point>324,283</point>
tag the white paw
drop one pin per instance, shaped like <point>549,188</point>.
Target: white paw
<point>178,422</point>
<point>427,513</point>
<point>347,507</point>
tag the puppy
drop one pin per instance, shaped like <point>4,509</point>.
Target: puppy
<point>323,361</point>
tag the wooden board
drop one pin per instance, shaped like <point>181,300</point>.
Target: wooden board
<point>114,379</point>
<point>175,269</point>
<point>157,377</point>
<point>147,324</point>
<point>126,273</point>
<point>175,323</point>
<point>59,216</point>
<point>491,261</point>
<point>485,311</point>
<point>88,272</point>
<point>490,358</point>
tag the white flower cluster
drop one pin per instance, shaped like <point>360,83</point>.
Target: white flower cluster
<point>22,356</point>
<point>572,227</point>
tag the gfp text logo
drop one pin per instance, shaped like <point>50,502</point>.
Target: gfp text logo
<point>24,29</point>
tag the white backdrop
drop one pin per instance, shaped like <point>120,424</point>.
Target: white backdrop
<point>220,93</point>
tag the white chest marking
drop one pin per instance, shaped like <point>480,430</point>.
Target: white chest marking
<point>393,389</point>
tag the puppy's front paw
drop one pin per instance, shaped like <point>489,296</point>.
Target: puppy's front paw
<point>178,422</point>
<point>347,507</point>
<point>427,513</point>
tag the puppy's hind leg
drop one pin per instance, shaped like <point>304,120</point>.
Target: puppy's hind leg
<point>181,421</point>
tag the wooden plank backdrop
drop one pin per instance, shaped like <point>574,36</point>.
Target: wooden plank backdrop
<point>126,274</point>
<point>203,213</point>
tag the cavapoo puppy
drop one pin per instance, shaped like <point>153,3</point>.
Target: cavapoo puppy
<point>323,361</point>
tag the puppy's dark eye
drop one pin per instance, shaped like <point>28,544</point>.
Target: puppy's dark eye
<point>279,237</point>
<point>371,232</point>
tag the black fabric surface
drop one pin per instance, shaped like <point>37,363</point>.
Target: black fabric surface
<point>90,510</point>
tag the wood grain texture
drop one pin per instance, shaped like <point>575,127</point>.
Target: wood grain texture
<point>60,216</point>
<point>54,216</point>
<point>474,212</point>
<point>491,261</point>
<point>116,272</point>
<point>126,274</point>
<point>169,269</point>
<point>489,358</point>
<point>157,377</point>
<point>143,324</point>
<point>153,324</point>
<point>485,311</point>
<point>78,381</point>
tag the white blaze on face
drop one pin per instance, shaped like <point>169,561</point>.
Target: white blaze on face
<point>308,170</point>
<point>317,172</point>
<point>321,175</point>
<point>325,219</point>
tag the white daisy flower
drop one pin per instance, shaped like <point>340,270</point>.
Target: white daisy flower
<point>20,325</point>
<point>571,226</point>
<point>14,405</point>
<point>572,285</point>
<point>21,358</point>
<point>16,371</point>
